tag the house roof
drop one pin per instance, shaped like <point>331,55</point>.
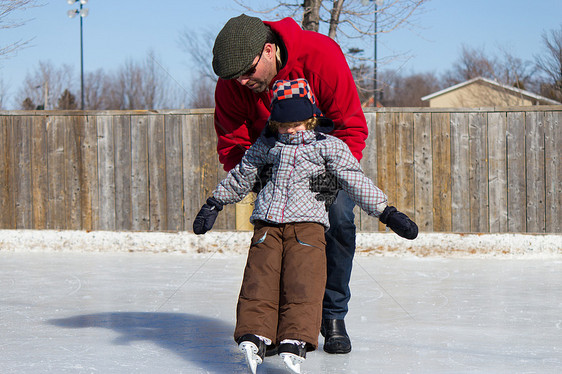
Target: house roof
<point>515,90</point>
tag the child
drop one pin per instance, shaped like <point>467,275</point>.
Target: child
<point>280,302</point>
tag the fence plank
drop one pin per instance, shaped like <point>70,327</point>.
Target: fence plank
<point>442,220</point>
<point>553,171</point>
<point>73,163</point>
<point>405,163</point>
<point>56,197</point>
<point>497,149</point>
<point>21,141</point>
<point>174,183</point>
<point>478,177</point>
<point>227,218</point>
<point>460,164</point>
<point>7,217</point>
<point>208,161</point>
<point>39,172</point>
<point>157,173</point>
<point>212,172</point>
<point>369,164</point>
<point>191,169</point>
<point>123,172</point>
<point>106,172</point>
<point>386,170</point>
<point>89,190</point>
<point>516,194</point>
<point>534,148</point>
<point>139,173</point>
<point>423,164</point>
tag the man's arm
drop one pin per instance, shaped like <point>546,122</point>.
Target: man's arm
<point>335,89</point>
<point>233,137</point>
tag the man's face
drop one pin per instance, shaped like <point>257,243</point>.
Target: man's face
<point>262,71</point>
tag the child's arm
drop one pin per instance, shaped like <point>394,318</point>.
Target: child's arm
<point>241,179</point>
<point>341,163</point>
<point>237,184</point>
<point>364,193</point>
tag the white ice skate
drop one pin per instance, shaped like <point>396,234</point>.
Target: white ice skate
<point>293,353</point>
<point>254,349</point>
<point>292,361</point>
<point>251,352</point>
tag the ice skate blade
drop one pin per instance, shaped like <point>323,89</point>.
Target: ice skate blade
<point>253,360</point>
<point>292,361</point>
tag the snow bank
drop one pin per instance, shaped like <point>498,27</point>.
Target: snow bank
<point>381,244</point>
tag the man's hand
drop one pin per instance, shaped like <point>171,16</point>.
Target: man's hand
<point>206,217</point>
<point>327,186</point>
<point>399,223</point>
<point>263,178</point>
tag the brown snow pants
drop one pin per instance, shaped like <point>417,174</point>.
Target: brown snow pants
<point>283,286</point>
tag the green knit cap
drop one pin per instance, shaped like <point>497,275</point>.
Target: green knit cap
<point>237,45</point>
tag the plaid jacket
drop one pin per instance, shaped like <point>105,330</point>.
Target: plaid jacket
<point>296,158</point>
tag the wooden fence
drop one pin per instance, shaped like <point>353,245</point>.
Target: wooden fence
<point>461,170</point>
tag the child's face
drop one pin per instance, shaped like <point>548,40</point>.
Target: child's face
<point>291,128</point>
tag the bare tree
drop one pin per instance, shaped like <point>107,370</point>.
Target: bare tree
<point>139,85</point>
<point>96,90</point>
<point>142,84</point>
<point>8,11</point>
<point>45,83</point>
<point>516,72</point>
<point>202,94</point>
<point>311,15</point>
<point>506,69</point>
<point>472,63</point>
<point>346,19</point>
<point>198,45</point>
<point>131,82</point>
<point>550,64</point>
<point>407,91</point>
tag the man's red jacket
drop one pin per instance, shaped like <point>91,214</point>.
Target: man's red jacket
<point>241,115</point>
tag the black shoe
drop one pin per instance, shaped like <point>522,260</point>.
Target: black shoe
<point>336,338</point>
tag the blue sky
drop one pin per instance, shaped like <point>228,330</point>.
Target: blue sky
<point>116,31</point>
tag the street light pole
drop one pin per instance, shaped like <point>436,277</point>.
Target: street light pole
<point>375,85</point>
<point>375,93</point>
<point>82,13</point>
<point>82,61</point>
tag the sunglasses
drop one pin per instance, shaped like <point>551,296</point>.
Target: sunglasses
<point>253,68</point>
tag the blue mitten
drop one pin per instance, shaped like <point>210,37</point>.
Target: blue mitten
<point>399,223</point>
<point>206,217</point>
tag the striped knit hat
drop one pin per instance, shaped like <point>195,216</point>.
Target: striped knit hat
<point>293,101</point>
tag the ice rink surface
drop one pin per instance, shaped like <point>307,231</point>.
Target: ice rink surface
<point>73,312</point>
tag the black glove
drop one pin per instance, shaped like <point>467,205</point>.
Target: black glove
<point>399,223</point>
<point>206,217</point>
<point>327,186</point>
<point>263,178</point>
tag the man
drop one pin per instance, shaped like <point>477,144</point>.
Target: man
<point>249,55</point>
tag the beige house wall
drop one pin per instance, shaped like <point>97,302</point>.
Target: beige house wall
<point>479,94</point>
